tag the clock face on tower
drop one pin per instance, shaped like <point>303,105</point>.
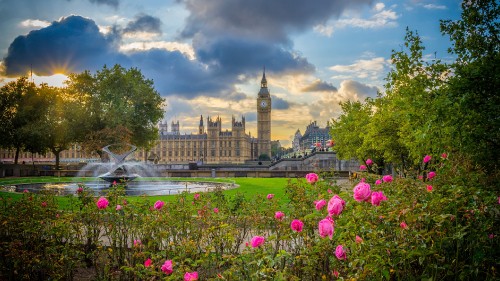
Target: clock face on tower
<point>263,104</point>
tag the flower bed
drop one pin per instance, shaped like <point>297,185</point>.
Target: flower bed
<point>397,229</point>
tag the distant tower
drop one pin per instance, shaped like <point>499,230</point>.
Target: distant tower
<point>201,128</point>
<point>264,118</point>
<point>163,127</point>
<point>176,128</point>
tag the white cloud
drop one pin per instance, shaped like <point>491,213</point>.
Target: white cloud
<point>186,49</point>
<point>363,68</point>
<point>383,18</point>
<point>30,23</point>
<point>328,106</point>
<point>379,7</point>
<point>380,18</point>
<point>325,30</point>
<point>435,7</point>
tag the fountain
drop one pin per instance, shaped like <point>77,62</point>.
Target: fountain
<point>139,178</point>
<point>117,171</point>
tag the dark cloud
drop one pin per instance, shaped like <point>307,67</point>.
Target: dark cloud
<point>320,86</point>
<point>267,20</point>
<point>239,55</point>
<point>145,23</point>
<point>72,44</point>
<point>238,36</point>
<point>174,74</point>
<point>279,103</point>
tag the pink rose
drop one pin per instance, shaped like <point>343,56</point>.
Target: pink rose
<point>336,273</point>
<point>159,204</point>
<point>257,241</point>
<point>102,203</point>
<point>44,204</point>
<point>359,239</point>
<point>216,210</point>
<point>429,188</point>
<point>325,227</point>
<point>320,204</point>
<point>387,178</point>
<point>340,253</point>
<point>196,196</point>
<point>79,190</point>
<point>191,276</point>
<point>148,263</point>
<point>118,207</point>
<point>431,174</point>
<point>378,197</point>
<point>362,167</point>
<point>427,158</point>
<point>270,196</point>
<point>279,215</point>
<point>137,243</point>
<point>444,155</point>
<point>362,192</point>
<point>369,162</point>
<point>167,267</point>
<point>297,225</point>
<point>377,182</point>
<point>335,205</point>
<point>312,178</point>
<point>403,225</point>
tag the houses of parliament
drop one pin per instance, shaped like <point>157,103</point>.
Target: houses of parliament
<point>211,144</point>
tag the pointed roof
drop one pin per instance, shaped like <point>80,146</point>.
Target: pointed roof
<point>264,91</point>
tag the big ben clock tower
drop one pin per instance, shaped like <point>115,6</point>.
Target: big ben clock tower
<point>264,118</point>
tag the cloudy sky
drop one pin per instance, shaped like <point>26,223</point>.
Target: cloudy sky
<point>207,57</point>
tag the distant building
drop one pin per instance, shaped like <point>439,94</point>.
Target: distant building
<point>213,145</point>
<point>313,135</point>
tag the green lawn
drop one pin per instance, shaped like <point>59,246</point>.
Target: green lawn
<point>247,186</point>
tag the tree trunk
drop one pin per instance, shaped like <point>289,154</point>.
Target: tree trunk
<point>57,153</point>
<point>16,157</point>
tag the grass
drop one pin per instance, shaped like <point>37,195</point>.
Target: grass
<point>247,186</point>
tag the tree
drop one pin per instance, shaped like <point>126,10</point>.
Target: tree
<point>349,129</point>
<point>475,85</point>
<point>21,106</point>
<point>415,104</point>
<point>62,120</point>
<point>117,99</point>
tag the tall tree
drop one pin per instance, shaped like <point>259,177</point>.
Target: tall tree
<point>414,99</point>
<point>61,126</point>
<point>118,100</point>
<point>349,130</point>
<point>20,107</point>
<point>475,86</point>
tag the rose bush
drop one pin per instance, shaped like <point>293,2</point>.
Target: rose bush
<point>405,232</point>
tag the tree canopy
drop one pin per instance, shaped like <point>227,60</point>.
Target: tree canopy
<point>111,106</point>
<point>432,107</point>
